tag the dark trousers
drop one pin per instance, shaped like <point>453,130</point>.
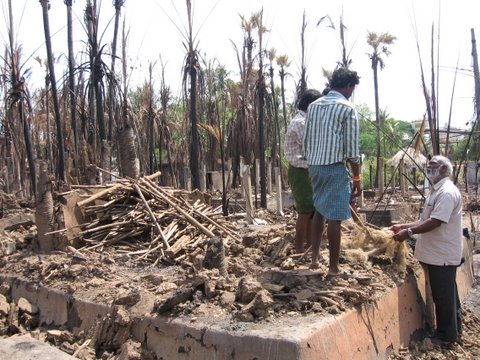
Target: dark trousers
<point>447,303</point>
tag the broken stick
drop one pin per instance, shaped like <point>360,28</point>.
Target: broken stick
<point>157,225</point>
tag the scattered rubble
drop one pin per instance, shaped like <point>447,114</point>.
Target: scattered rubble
<point>246,272</point>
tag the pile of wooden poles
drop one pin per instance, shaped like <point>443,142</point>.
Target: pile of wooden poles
<point>144,221</point>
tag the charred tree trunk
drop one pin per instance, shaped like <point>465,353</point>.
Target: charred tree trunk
<point>302,86</point>
<point>17,97</point>
<point>71,82</point>
<point>56,108</point>
<point>150,119</point>
<point>130,165</point>
<point>261,122</point>
<point>164,130</point>
<point>284,105</point>
<point>194,145</point>
<point>97,74</point>
<point>44,210</point>
<point>28,147</point>
<point>111,93</point>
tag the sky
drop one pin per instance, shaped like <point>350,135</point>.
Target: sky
<point>157,30</point>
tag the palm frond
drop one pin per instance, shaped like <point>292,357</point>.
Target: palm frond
<point>211,129</point>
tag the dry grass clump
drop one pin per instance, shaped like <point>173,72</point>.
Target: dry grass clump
<point>378,243</point>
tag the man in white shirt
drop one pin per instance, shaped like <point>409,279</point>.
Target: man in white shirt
<point>439,246</point>
<point>298,177</point>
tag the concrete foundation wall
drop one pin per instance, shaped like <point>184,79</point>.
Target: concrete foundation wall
<point>56,307</point>
<point>369,331</point>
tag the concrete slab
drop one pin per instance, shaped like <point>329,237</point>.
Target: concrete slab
<point>27,348</point>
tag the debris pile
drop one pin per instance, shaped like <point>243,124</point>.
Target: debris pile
<point>147,249</point>
<point>148,222</point>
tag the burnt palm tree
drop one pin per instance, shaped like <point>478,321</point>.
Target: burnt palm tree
<point>190,72</point>
<point>302,84</point>
<point>152,163</point>
<point>379,44</point>
<point>97,72</point>
<point>283,62</point>
<point>276,143</point>
<point>118,4</point>
<point>56,107</point>
<point>346,61</point>
<point>129,162</point>
<point>71,79</point>
<point>243,131</point>
<point>18,105</point>
<point>164,130</point>
<point>261,90</point>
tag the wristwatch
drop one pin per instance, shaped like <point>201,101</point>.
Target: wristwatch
<point>410,232</point>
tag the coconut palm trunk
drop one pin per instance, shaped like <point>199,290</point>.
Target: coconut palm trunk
<point>16,103</point>
<point>302,84</point>
<point>28,146</point>
<point>97,74</point>
<point>150,121</point>
<point>71,81</point>
<point>164,130</point>
<point>379,44</point>
<point>49,155</point>
<point>56,108</point>
<point>194,145</point>
<point>44,210</point>
<point>283,62</point>
<point>128,156</point>
<point>191,66</point>
<point>111,89</point>
<point>278,137</point>
<point>377,119</point>
<point>129,162</point>
<point>261,116</point>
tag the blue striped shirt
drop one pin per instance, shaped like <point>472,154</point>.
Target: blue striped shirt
<point>331,131</point>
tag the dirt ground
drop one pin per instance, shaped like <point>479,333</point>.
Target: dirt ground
<point>205,276</point>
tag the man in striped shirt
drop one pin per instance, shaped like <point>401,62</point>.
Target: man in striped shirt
<point>331,142</point>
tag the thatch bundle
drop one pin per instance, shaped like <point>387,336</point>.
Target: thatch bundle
<point>411,158</point>
<point>378,243</point>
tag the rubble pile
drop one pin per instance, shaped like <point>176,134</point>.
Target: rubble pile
<point>149,250</point>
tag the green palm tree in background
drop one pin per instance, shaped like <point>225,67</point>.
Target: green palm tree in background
<point>379,44</point>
